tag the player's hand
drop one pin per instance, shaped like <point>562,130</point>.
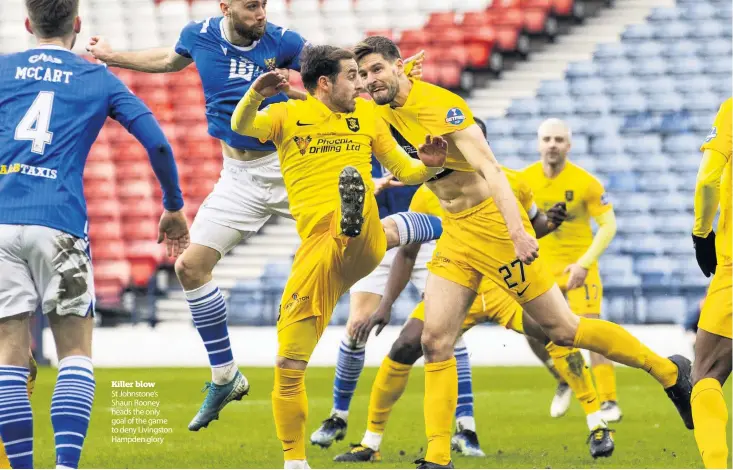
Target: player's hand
<point>380,319</point>
<point>433,152</point>
<point>173,229</point>
<point>270,84</point>
<point>525,247</point>
<point>577,275</point>
<point>417,62</point>
<point>556,215</point>
<point>100,48</point>
<point>380,184</point>
<point>707,259</point>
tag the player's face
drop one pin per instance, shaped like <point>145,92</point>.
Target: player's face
<point>554,144</point>
<point>248,17</point>
<point>380,77</point>
<point>346,87</point>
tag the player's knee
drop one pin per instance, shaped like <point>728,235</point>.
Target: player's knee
<point>562,334</point>
<point>406,350</point>
<point>286,363</point>
<point>437,346</point>
<point>712,367</point>
<point>190,273</point>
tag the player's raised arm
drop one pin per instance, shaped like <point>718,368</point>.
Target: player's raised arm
<point>132,113</point>
<point>158,60</point>
<point>248,120</point>
<point>432,156</point>
<point>474,147</point>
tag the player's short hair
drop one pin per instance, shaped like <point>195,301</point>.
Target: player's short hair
<point>52,18</point>
<point>480,123</point>
<point>377,45</point>
<point>555,122</point>
<point>319,61</point>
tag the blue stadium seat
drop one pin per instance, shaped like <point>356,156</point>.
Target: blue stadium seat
<point>685,66</point>
<point>644,145</point>
<point>652,163</point>
<point>580,144</point>
<point>702,123</point>
<point>523,128</point>
<point>622,183</point>
<point>660,85</point>
<point>655,264</point>
<point>678,245</point>
<point>665,103</point>
<point>673,225</point>
<point>638,33</point>
<point>646,245</point>
<point>706,30</point>
<point>609,51</point>
<point>615,68</point>
<point>593,106</point>
<point>683,143</point>
<point>666,309</point>
<point>587,86</point>
<point>718,67</point>
<point>639,224</point>
<point>633,103</point>
<point>584,161</point>
<point>616,265</point>
<point>687,165</point>
<point>715,49</point>
<point>607,146</point>
<point>676,122</point>
<point>554,107</point>
<point>581,70</point>
<point>506,147</point>
<point>651,49</point>
<point>498,127</point>
<point>681,49</point>
<point>513,162</point>
<point>693,85</point>
<point>665,183</point>
<point>702,101</point>
<point>699,11</point>
<point>663,14</point>
<point>602,125</point>
<point>528,149</point>
<point>523,107</point>
<point>639,123</point>
<point>577,124</point>
<point>671,31</point>
<point>623,86</point>
<point>558,88</point>
<point>633,204</point>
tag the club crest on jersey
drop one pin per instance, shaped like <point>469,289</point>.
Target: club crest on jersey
<point>270,63</point>
<point>713,134</point>
<point>303,143</point>
<point>569,195</point>
<point>353,124</point>
<point>455,117</point>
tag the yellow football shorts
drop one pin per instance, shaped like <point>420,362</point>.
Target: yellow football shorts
<point>586,299</point>
<point>476,244</point>
<point>492,305</point>
<point>717,310</point>
<point>326,265</point>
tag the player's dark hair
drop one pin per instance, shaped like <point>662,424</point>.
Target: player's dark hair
<point>377,45</point>
<point>321,61</point>
<point>482,125</point>
<point>52,18</point>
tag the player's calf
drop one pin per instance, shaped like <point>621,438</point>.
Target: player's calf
<point>404,228</point>
<point>352,191</point>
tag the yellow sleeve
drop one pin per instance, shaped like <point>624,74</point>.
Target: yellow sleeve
<point>406,169</point>
<point>264,125</point>
<point>449,113</point>
<point>526,198</point>
<point>717,151</point>
<point>606,231</point>
<point>597,199</point>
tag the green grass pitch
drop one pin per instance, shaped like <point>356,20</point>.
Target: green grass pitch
<point>512,413</point>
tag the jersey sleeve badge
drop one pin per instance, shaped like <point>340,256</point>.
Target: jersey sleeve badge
<point>713,134</point>
<point>455,117</point>
<point>604,199</point>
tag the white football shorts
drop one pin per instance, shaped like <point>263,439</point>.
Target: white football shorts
<point>376,281</point>
<point>47,267</point>
<point>243,200</point>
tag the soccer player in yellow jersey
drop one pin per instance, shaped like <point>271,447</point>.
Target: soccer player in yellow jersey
<point>491,305</point>
<point>572,252</point>
<point>325,144</point>
<point>33,368</point>
<point>485,235</point>
<point>713,343</point>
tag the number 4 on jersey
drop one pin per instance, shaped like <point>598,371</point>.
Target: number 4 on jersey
<point>34,125</point>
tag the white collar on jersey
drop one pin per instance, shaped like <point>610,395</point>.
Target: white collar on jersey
<point>51,46</point>
<point>224,37</point>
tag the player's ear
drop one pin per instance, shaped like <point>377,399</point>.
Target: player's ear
<point>28,26</point>
<point>77,24</point>
<point>224,7</point>
<point>400,65</point>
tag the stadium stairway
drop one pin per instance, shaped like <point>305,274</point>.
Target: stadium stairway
<point>524,79</point>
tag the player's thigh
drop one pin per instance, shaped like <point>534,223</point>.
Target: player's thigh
<point>61,267</point>
<point>72,334</point>
<point>419,277</point>
<point>715,316</point>
<point>588,298</point>
<point>533,330</point>
<point>15,339</point>
<point>297,341</point>
<point>551,311</point>
<point>18,293</point>
<point>367,292</point>
<point>446,305</point>
<point>407,348</point>
<point>494,305</point>
<point>713,357</point>
<point>217,238</point>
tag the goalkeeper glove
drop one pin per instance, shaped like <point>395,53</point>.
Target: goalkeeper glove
<point>705,253</point>
<point>556,215</point>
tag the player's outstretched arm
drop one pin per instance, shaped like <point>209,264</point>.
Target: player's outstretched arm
<point>399,276</point>
<point>545,223</point>
<point>603,237</point>
<point>707,199</point>
<point>474,147</point>
<point>247,119</point>
<point>158,60</point>
<point>432,156</point>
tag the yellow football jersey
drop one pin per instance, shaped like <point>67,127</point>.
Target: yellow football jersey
<point>585,198</point>
<point>315,144</point>
<point>719,140</point>
<point>430,110</point>
<point>426,202</point>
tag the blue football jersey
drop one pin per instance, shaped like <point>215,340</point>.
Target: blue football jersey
<point>53,104</point>
<point>392,200</point>
<point>227,71</point>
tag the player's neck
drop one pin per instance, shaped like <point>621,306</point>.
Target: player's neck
<point>401,98</point>
<point>551,170</point>
<point>323,98</point>
<point>233,36</point>
<point>60,42</point>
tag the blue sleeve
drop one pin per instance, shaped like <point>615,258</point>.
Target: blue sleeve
<point>290,48</point>
<point>124,106</point>
<point>188,36</point>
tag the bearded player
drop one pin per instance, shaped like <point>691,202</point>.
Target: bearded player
<point>485,235</point>
<point>572,252</point>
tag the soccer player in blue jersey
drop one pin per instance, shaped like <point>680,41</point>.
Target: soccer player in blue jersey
<point>53,104</point>
<point>230,52</point>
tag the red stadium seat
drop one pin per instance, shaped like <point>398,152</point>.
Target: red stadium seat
<point>127,76</point>
<point>144,230</point>
<point>563,7</point>
<point>100,152</point>
<point>430,72</point>
<point>99,171</point>
<point>535,20</point>
<point>110,277</point>
<point>480,43</point>
<point>545,5</point>
<point>101,210</point>
<point>441,20</point>
<point>450,75</point>
<point>100,190</point>
<point>457,55</point>
<point>450,36</point>
<point>413,38</point>
<point>144,258</point>
<point>139,210</point>
<point>129,151</point>
<point>108,250</point>
<point>198,188</point>
<point>387,33</point>
<point>134,170</point>
<point>139,189</point>
<point>107,230</point>
<point>153,80</point>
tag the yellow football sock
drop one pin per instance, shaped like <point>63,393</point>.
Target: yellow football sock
<point>605,375</point>
<point>711,418</point>
<point>612,341</point>
<point>4,461</point>
<point>441,398</point>
<point>290,407</point>
<point>571,366</point>
<point>388,387</point>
